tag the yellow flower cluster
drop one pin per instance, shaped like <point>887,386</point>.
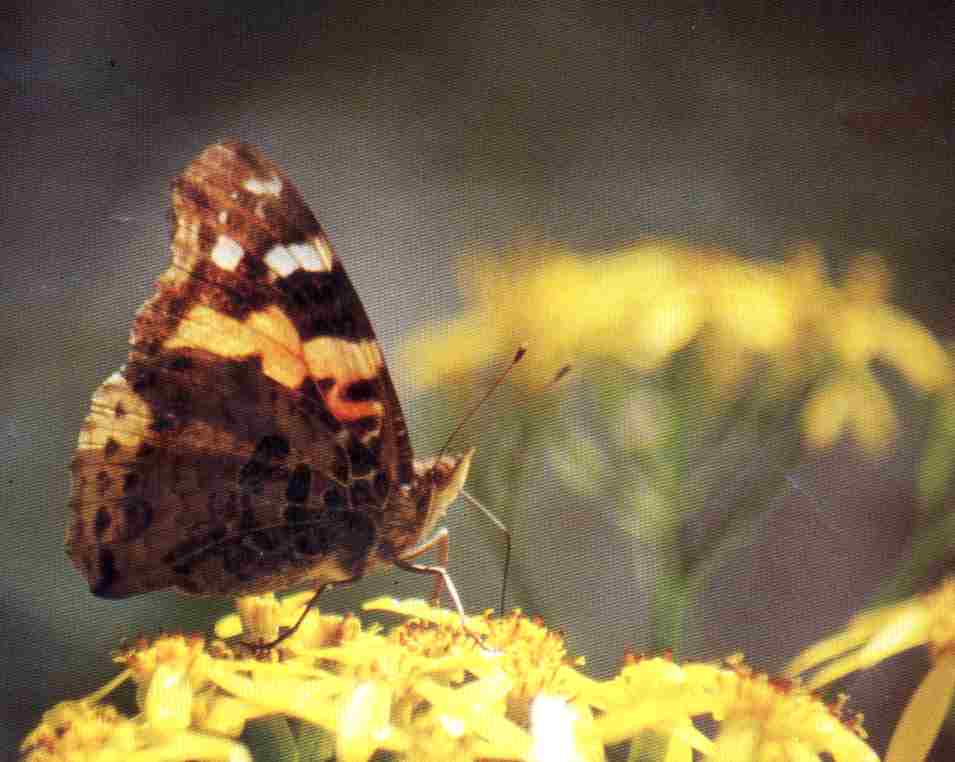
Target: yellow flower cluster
<point>427,691</point>
<point>873,637</point>
<point>642,305</point>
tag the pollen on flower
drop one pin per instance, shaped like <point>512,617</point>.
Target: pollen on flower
<point>72,729</point>
<point>174,653</point>
<point>426,691</point>
<point>762,713</point>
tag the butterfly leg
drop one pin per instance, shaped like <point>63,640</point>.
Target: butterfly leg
<point>291,630</point>
<point>441,541</point>
<point>442,580</point>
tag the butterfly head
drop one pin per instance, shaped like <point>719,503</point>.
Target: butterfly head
<point>444,477</point>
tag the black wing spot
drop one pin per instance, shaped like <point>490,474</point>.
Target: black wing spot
<point>138,516</point>
<point>362,496</point>
<point>355,537</point>
<point>239,561</point>
<point>340,470</point>
<point>141,379</point>
<point>249,157</point>
<point>254,268</point>
<point>382,484</point>
<point>298,514</point>
<point>110,448</point>
<point>106,573</point>
<point>270,450</point>
<point>362,427</point>
<point>271,447</point>
<point>247,518</point>
<point>163,422</point>
<point>180,363</point>
<point>363,459</point>
<point>102,522</point>
<point>299,484</point>
<point>313,540</point>
<point>252,477</point>
<point>333,499</point>
<point>193,193</point>
<point>361,391</point>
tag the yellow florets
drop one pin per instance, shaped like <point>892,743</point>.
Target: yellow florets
<point>433,688</point>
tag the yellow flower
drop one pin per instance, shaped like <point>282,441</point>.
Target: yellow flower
<point>872,637</point>
<point>766,720</point>
<point>659,695</point>
<point>750,302</point>
<point>762,313</point>
<point>638,306</point>
<point>426,691</point>
<point>260,619</point>
<point>759,719</point>
<point>916,353</point>
<point>76,730</point>
<point>170,727</point>
<point>862,327</point>
<point>859,327</point>
<point>394,692</point>
<point>652,307</point>
<point>850,401</point>
<point>563,731</point>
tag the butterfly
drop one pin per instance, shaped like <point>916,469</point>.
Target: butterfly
<point>253,441</point>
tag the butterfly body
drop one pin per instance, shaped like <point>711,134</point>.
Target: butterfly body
<point>254,440</point>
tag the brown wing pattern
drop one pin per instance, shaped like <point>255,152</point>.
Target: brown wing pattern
<point>253,440</point>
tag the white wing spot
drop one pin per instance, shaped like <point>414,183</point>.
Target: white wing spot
<point>270,187</point>
<point>223,217</point>
<point>227,253</point>
<point>281,261</point>
<point>313,259</point>
<point>307,256</point>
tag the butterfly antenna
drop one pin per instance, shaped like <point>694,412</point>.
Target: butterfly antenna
<point>507,533</point>
<point>558,376</point>
<point>518,356</point>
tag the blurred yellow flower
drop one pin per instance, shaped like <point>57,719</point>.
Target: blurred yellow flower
<point>655,307</point>
<point>638,306</point>
<point>761,312</point>
<point>750,302</point>
<point>874,636</point>
<point>850,401</point>
<point>641,305</point>
<point>862,327</point>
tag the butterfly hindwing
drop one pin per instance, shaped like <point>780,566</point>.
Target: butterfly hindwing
<point>253,439</point>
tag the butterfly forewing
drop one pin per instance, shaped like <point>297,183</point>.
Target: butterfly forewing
<point>253,440</point>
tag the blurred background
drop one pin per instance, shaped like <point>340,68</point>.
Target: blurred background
<point>455,152</point>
